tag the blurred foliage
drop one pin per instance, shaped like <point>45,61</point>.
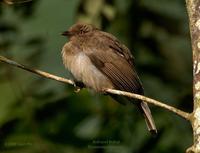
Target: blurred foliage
<point>39,115</point>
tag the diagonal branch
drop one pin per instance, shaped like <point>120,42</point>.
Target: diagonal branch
<point>151,101</point>
<point>38,72</point>
<point>181,113</point>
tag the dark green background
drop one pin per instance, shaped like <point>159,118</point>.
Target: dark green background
<point>44,116</point>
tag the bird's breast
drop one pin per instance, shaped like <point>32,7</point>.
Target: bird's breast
<point>83,70</point>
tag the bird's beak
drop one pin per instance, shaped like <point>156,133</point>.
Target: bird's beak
<point>66,33</point>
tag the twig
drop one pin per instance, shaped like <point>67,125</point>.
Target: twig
<point>151,101</point>
<point>38,72</point>
<point>111,91</point>
<point>11,2</point>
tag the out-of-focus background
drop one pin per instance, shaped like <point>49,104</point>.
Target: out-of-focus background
<point>38,115</point>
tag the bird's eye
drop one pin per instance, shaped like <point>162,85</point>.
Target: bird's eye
<point>85,29</point>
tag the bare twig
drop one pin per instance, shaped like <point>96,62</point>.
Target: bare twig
<point>38,72</point>
<point>111,91</point>
<point>151,101</point>
<point>11,2</point>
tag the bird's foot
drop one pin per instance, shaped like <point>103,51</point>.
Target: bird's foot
<point>104,92</point>
<point>78,86</point>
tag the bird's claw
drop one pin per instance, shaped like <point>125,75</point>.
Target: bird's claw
<point>103,91</point>
<point>77,89</point>
<point>78,86</point>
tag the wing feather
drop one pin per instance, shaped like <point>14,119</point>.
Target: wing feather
<point>115,61</point>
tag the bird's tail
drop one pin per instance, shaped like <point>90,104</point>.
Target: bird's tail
<point>144,108</point>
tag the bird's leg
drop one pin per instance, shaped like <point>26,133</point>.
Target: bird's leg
<point>103,91</point>
<point>78,86</point>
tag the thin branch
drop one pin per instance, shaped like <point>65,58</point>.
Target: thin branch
<point>11,2</point>
<point>111,91</point>
<point>38,72</point>
<point>151,101</point>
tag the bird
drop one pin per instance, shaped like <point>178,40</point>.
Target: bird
<point>98,60</point>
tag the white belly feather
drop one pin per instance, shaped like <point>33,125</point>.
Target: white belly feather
<point>83,70</point>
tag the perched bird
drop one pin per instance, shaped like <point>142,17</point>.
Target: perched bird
<point>99,61</point>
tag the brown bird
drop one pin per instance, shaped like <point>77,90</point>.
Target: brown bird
<point>98,60</point>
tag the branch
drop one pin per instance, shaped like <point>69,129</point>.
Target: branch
<point>111,91</point>
<point>11,2</point>
<point>151,101</point>
<point>193,9</point>
<point>38,72</point>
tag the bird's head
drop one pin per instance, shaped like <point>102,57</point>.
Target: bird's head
<point>78,29</point>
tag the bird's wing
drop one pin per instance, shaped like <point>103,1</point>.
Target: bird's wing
<point>114,60</point>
